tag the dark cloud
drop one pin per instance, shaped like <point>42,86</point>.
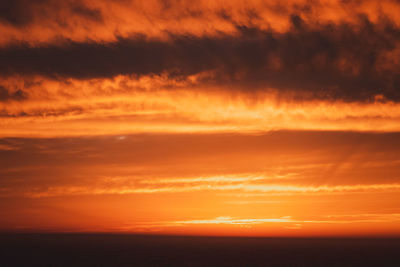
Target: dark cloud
<point>84,11</point>
<point>6,95</point>
<point>43,113</point>
<point>20,13</point>
<point>333,61</point>
<point>17,12</point>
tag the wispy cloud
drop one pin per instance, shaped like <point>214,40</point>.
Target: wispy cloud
<point>128,106</point>
<point>268,189</point>
<point>229,220</point>
<point>333,219</point>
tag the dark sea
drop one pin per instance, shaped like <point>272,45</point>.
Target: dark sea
<point>147,250</point>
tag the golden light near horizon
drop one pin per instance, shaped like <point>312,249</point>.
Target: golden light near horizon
<point>247,118</point>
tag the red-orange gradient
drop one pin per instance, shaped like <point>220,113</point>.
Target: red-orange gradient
<point>280,183</point>
<point>243,118</point>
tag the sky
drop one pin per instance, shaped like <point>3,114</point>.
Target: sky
<point>243,118</point>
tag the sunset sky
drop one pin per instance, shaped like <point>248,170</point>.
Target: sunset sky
<point>243,118</point>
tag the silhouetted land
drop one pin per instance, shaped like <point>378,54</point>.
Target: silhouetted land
<point>142,250</point>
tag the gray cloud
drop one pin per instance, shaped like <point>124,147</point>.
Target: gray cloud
<point>314,61</point>
<point>6,95</point>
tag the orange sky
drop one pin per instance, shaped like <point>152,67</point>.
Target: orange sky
<point>250,118</point>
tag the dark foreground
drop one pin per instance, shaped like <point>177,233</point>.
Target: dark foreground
<point>134,250</point>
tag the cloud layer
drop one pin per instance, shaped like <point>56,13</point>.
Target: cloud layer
<point>348,51</point>
<point>323,61</point>
<point>161,114</point>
